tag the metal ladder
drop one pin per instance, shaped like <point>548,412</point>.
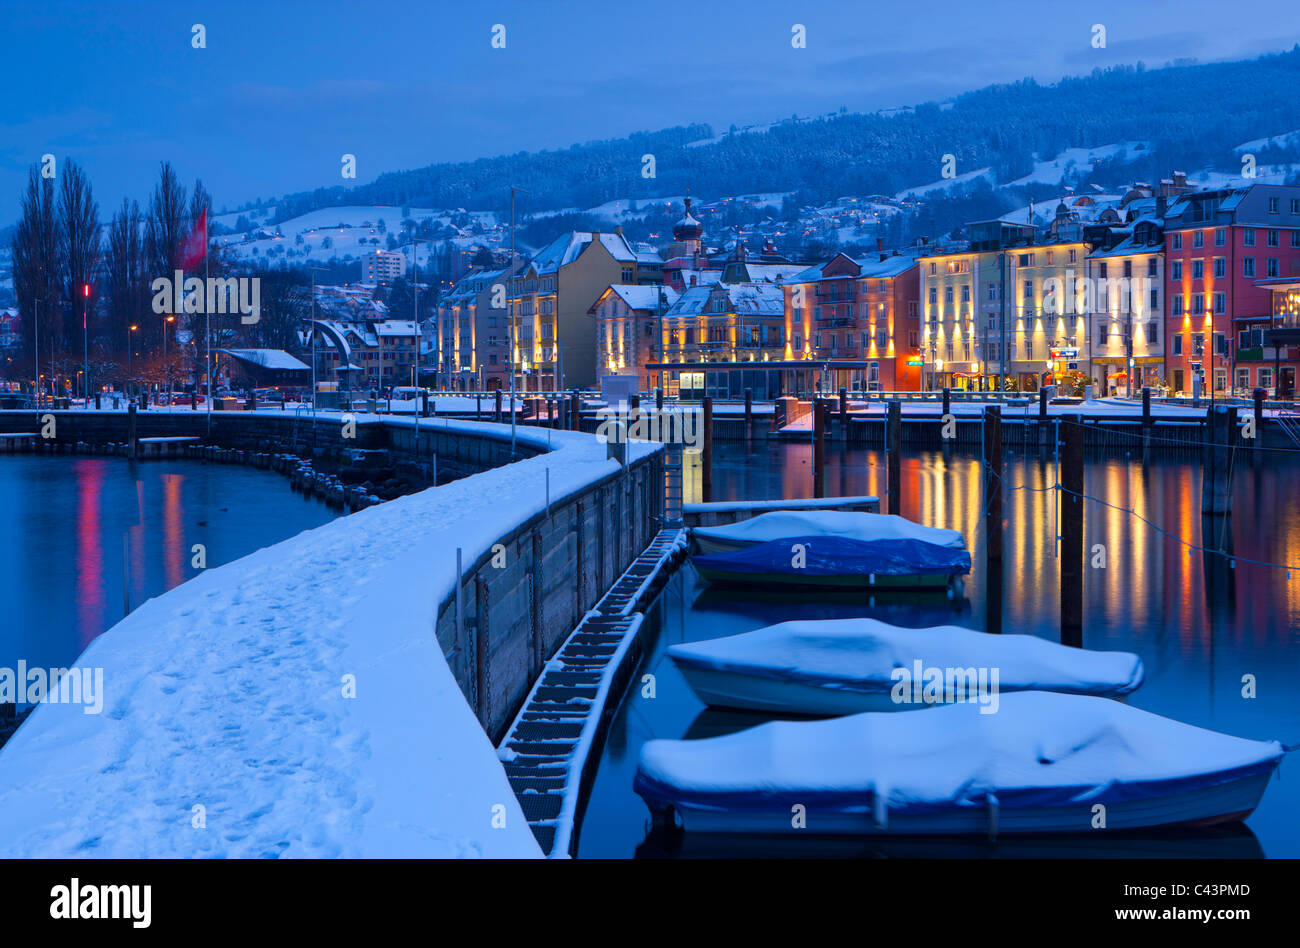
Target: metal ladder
<point>1289,426</point>
<point>673,481</point>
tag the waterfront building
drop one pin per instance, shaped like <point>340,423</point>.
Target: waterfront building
<point>474,320</point>
<point>627,321</point>
<point>1125,303</point>
<point>1230,252</point>
<point>857,322</point>
<point>555,342</point>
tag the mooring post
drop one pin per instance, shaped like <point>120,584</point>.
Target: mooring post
<point>1216,490</point>
<point>749,414</point>
<point>1259,417</point>
<point>1042,415</point>
<point>460,604</point>
<point>659,399</point>
<point>498,407</point>
<point>993,481</point>
<point>575,409</point>
<point>706,462</point>
<point>947,399</point>
<point>1146,420</point>
<point>132,444</point>
<point>894,455</point>
<point>1070,477</point>
<point>819,446</point>
<point>478,406</point>
<point>844,415</point>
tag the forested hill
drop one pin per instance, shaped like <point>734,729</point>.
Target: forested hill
<point>1192,114</point>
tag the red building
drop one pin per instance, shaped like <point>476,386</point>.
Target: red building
<point>855,322</point>
<point>1226,251</point>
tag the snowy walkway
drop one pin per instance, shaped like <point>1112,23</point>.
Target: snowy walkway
<point>226,730</point>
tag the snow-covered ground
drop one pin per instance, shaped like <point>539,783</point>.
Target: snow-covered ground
<point>1081,160</point>
<point>228,694</point>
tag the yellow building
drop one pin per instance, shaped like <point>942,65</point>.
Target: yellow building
<point>554,337</point>
<point>987,314</point>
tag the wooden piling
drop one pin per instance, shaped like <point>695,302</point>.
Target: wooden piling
<point>894,455</point>
<point>659,399</point>
<point>1216,486</point>
<point>132,441</point>
<point>749,414</point>
<point>575,409</point>
<point>1042,416</point>
<point>497,407</point>
<point>844,415</point>
<point>1070,476</point>
<point>706,461</point>
<point>819,447</point>
<point>1259,418</point>
<point>993,482</point>
<point>1146,419</point>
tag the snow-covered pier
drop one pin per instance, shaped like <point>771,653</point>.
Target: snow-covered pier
<point>338,694</point>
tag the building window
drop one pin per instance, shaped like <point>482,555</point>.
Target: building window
<point>1220,266</point>
<point>1103,334</point>
<point>1198,239</point>
<point>1177,242</point>
<point>1049,258</point>
<point>934,295</point>
<point>1266,375</point>
<point>1177,306</point>
<point>1198,269</point>
<point>1271,236</point>
<point>1155,299</point>
<point>934,268</point>
<point>1248,266</point>
<point>993,289</point>
<point>1248,236</point>
<point>1198,304</point>
<point>1101,269</point>
<point>911,339</point>
<point>1295,239</point>
<point>1220,302</point>
<point>1153,332</point>
<point>1176,270</point>
<point>1178,345</point>
<point>1271,268</point>
<point>797,342</point>
<point>1026,259</point>
<point>1221,237</point>
<point>882,338</point>
<point>1273,205</point>
<point>1072,253</point>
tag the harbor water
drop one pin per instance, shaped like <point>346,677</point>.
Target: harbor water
<point>1219,636</point>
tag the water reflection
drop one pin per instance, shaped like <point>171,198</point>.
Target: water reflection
<point>1203,623</point>
<point>79,533</point>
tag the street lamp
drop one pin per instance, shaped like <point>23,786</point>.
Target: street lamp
<point>510,279</point>
<point>85,344</point>
<point>128,353</point>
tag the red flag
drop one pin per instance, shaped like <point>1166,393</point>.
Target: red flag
<point>195,247</point>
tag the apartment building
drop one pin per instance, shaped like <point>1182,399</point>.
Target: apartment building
<point>550,299</point>
<point>627,323</point>
<point>473,319</point>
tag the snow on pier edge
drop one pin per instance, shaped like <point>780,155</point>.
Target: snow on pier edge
<point>226,694</point>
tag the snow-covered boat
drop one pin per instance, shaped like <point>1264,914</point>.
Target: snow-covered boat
<point>848,666</point>
<point>830,549</point>
<point>1045,763</point>
<point>849,525</point>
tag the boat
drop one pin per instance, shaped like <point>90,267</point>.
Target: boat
<point>1045,763</point>
<point>827,548</point>
<point>849,666</point>
<point>850,525</point>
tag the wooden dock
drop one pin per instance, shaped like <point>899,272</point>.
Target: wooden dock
<point>551,750</point>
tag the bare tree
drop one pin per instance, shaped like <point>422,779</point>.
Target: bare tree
<point>35,267</point>
<point>128,283</point>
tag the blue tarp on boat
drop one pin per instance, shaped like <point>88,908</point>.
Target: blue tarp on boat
<point>840,556</point>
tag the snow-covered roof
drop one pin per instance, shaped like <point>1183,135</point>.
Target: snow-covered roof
<point>567,247</point>
<point>642,297</point>
<point>267,358</point>
<point>397,327</point>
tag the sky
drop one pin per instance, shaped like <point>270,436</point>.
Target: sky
<point>284,88</point>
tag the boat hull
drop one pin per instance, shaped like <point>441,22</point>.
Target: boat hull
<point>735,689</point>
<point>1227,802</point>
<point>855,581</point>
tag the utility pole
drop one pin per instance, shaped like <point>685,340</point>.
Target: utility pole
<point>510,303</point>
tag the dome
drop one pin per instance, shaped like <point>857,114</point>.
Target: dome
<point>688,228</point>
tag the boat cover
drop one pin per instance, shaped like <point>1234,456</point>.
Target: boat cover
<point>1040,750</point>
<point>841,556</point>
<point>780,524</point>
<point>861,655</point>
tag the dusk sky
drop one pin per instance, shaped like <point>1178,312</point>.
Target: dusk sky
<point>284,89</point>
